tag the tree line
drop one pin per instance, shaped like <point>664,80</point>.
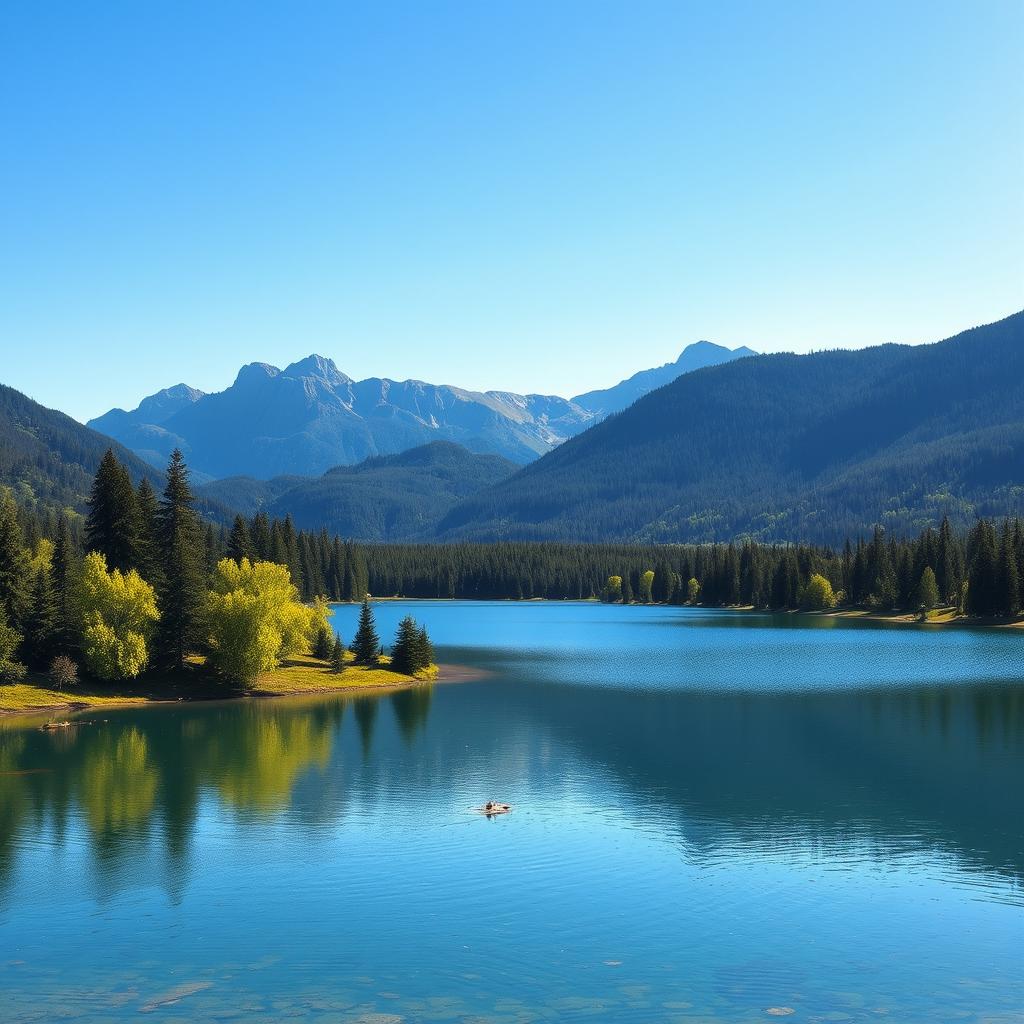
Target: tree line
<point>142,578</point>
<point>142,582</point>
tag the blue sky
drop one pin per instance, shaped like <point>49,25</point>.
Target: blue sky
<point>526,196</point>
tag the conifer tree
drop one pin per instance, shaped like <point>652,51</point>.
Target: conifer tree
<point>928,590</point>
<point>11,670</point>
<point>240,541</point>
<point>338,656</point>
<point>41,620</point>
<point>404,650</point>
<point>65,580</point>
<point>14,561</point>
<point>982,597</point>
<point>1006,582</point>
<point>182,549</point>
<point>147,554</point>
<point>323,646</point>
<point>112,525</point>
<point>366,643</point>
<point>424,649</point>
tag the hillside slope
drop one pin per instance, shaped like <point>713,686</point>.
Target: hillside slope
<point>388,498</point>
<point>49,459</point>
<point>786,447</point>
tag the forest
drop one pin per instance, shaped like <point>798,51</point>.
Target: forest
<point>137,579</point>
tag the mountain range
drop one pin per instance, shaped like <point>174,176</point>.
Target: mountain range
<point>783,447</point>
<point>310,417</point>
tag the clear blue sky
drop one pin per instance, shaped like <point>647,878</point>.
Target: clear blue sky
<point>529,196</point>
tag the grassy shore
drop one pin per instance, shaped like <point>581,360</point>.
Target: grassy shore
<point>298,675</point>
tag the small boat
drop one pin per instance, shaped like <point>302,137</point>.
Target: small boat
<point>492,807</point>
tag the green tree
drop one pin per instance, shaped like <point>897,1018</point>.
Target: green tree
<point>928,590</point>
<point>645,592</point>
<point>11,670</point>
<point>14,562</point>
<point>118,615</point>
<point>255,619</point>
<point>366,643</point>
<point>404,653</point>
<point>183,555</point>
<point>1006,581</point>
<point>41,620</point>
<point>818,595</point>
<point>612,591</point>
<point>147,557</point>
<point>66,574</point>
<point>982,595</point>
<point>692,591</point>
<point>240,541</point>
<point>338,656</point>
<point>112,525</point>
<point>323,645</point>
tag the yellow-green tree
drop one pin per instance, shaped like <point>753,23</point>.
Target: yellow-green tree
<point>118,615</point>
<point>692,590</point>
<point>255,619</point>
<point>818,594</point>
<point>646,587</point>
<point>612,590</point>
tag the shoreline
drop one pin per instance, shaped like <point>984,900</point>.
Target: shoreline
<point>158,695</point>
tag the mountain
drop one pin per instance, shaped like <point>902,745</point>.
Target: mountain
<point>626,392</point>
<point>142,429</point>
<point>50,460</point>
<point>786,447</point>
<point>310,416</point>
<point>386,498</point>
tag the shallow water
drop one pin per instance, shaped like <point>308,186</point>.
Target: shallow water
<point>716,815</point>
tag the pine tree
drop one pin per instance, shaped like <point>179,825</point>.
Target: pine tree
<point>11,670</point>
<point>181,590</point>
<point>239,541</point>
<point>982,597</point>
<point>366,643</point>
<point>14,561</point>
<point>65,583</point>
<point>147,555</point>
<point>338,656</point>
<point>41,620</point>
<point>404,650</point>
<point>112,525</point>
<point>1006,582</point>
<point>323,646</point>
<point>424,649</point>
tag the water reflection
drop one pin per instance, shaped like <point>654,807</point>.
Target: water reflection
<point>881,773</point>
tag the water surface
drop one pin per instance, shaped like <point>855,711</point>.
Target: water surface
<point>716,815</point>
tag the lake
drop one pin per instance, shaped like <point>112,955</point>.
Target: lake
<point>717,816</point>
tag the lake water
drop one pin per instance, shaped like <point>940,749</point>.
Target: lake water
<point>717,817</point>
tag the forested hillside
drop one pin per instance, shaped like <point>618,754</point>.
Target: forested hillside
<point>786,447</point>
<point>48,459</point>
<point>392,497</point>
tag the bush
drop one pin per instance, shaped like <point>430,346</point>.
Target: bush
<point>63,672</point>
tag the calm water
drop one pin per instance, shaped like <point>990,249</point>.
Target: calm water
<point>716,815</point>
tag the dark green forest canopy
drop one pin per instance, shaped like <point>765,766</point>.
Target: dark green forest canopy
<point>786,448</point>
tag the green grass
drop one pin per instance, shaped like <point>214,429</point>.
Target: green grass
<point>304,674</point>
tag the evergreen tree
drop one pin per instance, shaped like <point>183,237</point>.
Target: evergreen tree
<point>112,525</point>
<point>323,646</point>
<point>41,620</point>
<point>1006,582</point>
<point>982,595</point>
<point>14,561</point>
<point>65,583</point>
<point>240,542</point>
<point>366,643</point>
<point>338,656</point>
<point>405,649</point>
<point>183,551</point>
<point>11,670</point>
<point>424,649</point>
<point>147,554</point>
